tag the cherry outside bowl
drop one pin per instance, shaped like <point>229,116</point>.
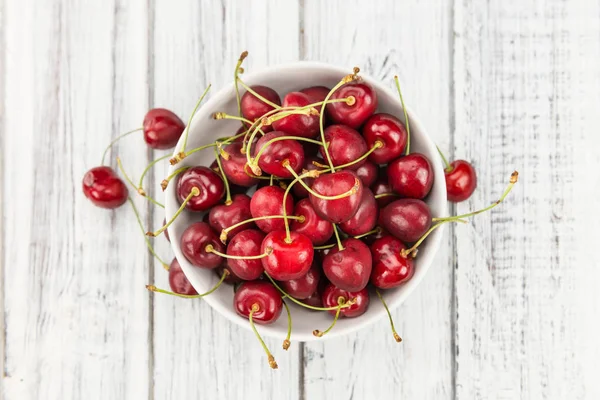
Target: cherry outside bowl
<point>204,129</point>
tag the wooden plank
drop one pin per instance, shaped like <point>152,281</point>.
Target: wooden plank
<point>2,191</point>
<point>527,98</point>
<point>75,305</point>
<point>384,41</point>
<point>200,354</point>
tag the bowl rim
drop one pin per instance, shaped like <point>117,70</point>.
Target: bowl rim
<point>434,239</point>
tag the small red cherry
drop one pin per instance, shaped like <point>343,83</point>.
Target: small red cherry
<point>223,216</point>
<point>335,184</point>
<point>254,108</point>
<point>344,145</point>
<point>349,269</point>
<point>288,259</point>
<point>104,188</point>
<point>407,219</point>
<point>162,128</point>
<point>390,131</point>
<point>259,293</point>
<point>317,229</point>
<point>367,173</point>
<point>411,176</point>
<point>316,93</point>
<point>193,246</point>
<point>298,124</point>
<point>304,286</point>
<point>244,244</point>
<point>461,180</point>
<point>332,294</point>
<point>365,217</point>
<point>266,201</point>
<point>207,181</point>
<point>390,268</point>
<point>178,281</point>
<point>274,154</point>
<point>236,166</point>
<point>365,104</point>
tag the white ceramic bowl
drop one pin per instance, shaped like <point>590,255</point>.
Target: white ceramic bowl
<point>204,129</point>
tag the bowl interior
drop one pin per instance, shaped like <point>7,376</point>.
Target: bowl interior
<point>204,129</point>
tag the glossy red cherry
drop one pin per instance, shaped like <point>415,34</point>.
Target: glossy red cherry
<point>193,246</point>
<point>244,244</point>
<point>304,286</point>
<point>223,216</point>
<point>365,217</point>
<point>334,184</point>
<point>254,108</point>
<point>162,128</point>
<point>266,201</point>
<point>259,293</point>
<point>349,269</point>
<point>380,187</point>
<point>178,281</point>
<point>388,130</point>
<point>407,219</point>
<point>298,124</point>
<point>207,181</point>
<point>316,93</point>
<point>104,188</point>
<point>461,181</point>
<point>317,229</point>
<point>344,145</point>
<point>367,173</point>
<point>231,278</point>
<point>298,189</point>
<point>236,166</point>
<point>274,154</point>
<point>390,268</point>
<point>332,294</point>
<point>364,105</point>
<point>411,176</point>
<point>287,260</point>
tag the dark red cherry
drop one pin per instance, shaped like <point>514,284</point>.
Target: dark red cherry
<point>332,294</point>
<point>268,200</point>
<point>349,269</point>
<point>232,278</point>
<point>298,189</point>
<point>314,300</point>
<point>316,93</point>
<point>390,268</point>
<point>244,244</point>
<point>461,181</point>
<point>367,173</point>
<point>365,217</point>
<point>344,145</point>
<point>317,229</point>
<point>207,181</point>
<point>274,154</point>
<point>193,246</point>
<point>254,108</point>
<point>364,105</point>
<point>287,260</point>
<point>388,130</point>
<point>298,124</point>
<point>380,187</point>
<point>104,188</point>
<point>411,176</point>
<point>259,293</point>
<point>178,281</point>
<point>334,184</point>
<point>407,219</point>
<point>162,128</point>
<point>304,286</point>
<point>236,166</point>
<point>223,216</point>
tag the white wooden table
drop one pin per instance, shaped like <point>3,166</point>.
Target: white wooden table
<point>511,308</point>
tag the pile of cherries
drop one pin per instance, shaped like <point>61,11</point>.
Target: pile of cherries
<point>315,199</point>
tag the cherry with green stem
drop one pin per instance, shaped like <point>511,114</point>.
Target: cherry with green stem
<point>153,288</point>
<point>461,179</point>
<point>397,337</point>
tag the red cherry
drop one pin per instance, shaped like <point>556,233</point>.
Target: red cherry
<point>304,286</point>
<point>274,154</point>
<point>334,184</point>
<point>367,173</point>
<point>390,131</point>
<point>349,269</point>
<point>223,216</point>
<point>344,145</point>
<point>380,187</point>
<point>411,176</point>
<point>104,188</point>
<point>193,246</point>
<point>298,124</point>
<point>364,105</point>
<point>298,189</point>
<point>262,294</point>
<point>331,295</point>
<point>407,219</point>
<point>461,181</point>
<point>231,278</point>
<point>246,243</point>
<point>365,217</point>
<point>313,300</point>
<point>317,229</point>
<point>207,181</point>
<point>162,128</point>
<point>287,260</point>
<point>254,108</point>
<point>178,281</point>
<point>266,201</point>
<point>316,93</point>
<point>390,268</point>
<point>236,166</point>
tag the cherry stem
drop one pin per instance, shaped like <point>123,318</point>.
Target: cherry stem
<point>153,288</point>
<point>230,139</point>
<point>139,190</point>
<point>377,145</point>
<point>380,195</point>
<point>286,341</point>
<point>235,80</point>
<point>222,115</point>
<point>225,180</point>
<point>180,156</point>
<point>329,246</point>
<point>254,161</point>
<point>225,231</point>
<point>405,252</point>
<point>148,169</point>
<point>407,122</point>
<point>337,238</point>
<point>116,140</point>
<point>321,114</point>
<point>195,192</point>
<point>350,192</point>
<point>258,96</point>
<point>288,238</point>
<point>187,130</point>
<point>256,308</point>
<point>165,182</point>
<point>211,249</point>
<point>448,167</point>
<point>396,336</point>
<point>148,244</point>
<point>341,302</point>
<point>271,181</point>
<point>514,177</point>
